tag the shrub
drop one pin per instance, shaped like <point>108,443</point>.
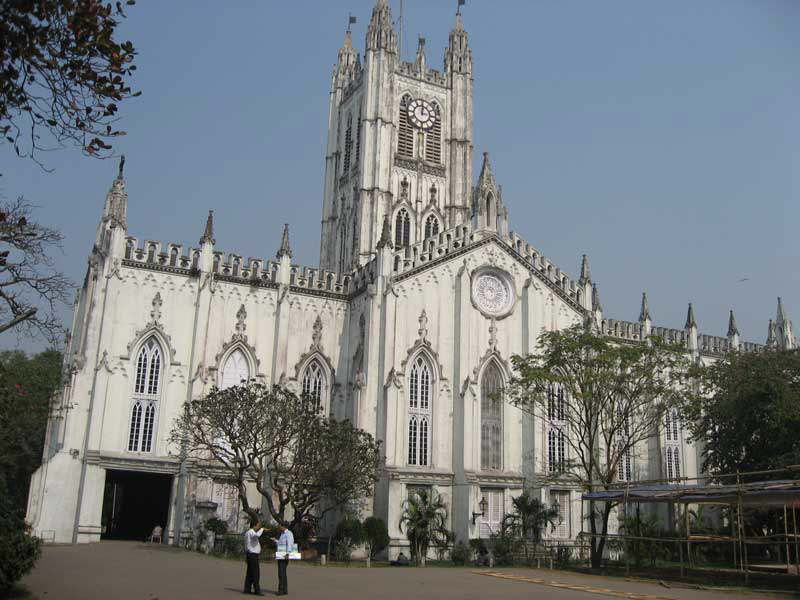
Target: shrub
<point>563,556</point>
<point>376,535</point>
<point>18,549</point>
<point>218,526</point>
<point>233,545</point>
<point>461,554</point>
<point>504,548</point>
<point>349,533</point>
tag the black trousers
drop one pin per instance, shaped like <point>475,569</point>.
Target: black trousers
<point>282,582</point>
<point>253,573</point>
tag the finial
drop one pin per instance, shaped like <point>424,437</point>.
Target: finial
<point>585,276</point>
<point>208,234</point>
<point>772,338</point>
<point>121,166</point>
<point>285,250</point>
<point>596,306</point>
<point>690,321</point>
<point>386,234</point>
<point>732,328</point>
<point>644,314</point>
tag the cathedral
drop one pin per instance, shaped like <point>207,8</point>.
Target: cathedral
<point>406,327</point>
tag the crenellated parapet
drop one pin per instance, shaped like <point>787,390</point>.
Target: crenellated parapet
<point>432,76</point>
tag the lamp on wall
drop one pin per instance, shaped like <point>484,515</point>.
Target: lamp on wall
<point>483,505</point>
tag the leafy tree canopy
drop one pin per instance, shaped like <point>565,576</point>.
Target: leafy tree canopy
<point>62,71</point>
<point>746,411</point>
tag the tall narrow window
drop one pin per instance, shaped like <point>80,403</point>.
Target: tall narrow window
<point>348,143</point>
<point>342,245</point>
<point>419,413</point>
<point>556,429</point>
<point>431,226</point>
<point>402,229</point>
<point>560,499</point>
<point>314,383</point>
<point>672,444</point>
<point>492,419</point>
<point>433,138</point>
<point>625,467</point>
<point>405,133</point>
<point>492,519</point>
<point>145,398</point>
<point>358,137</point>
<point>235,371</point>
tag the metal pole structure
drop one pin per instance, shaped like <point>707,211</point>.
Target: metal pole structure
<point>796,541</point>
<point>786,537</point>
<point>626,547</point>
<point>741,525</point>
<point>688,547</point>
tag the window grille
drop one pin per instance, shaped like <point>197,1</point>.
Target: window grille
<point>145,397</point>
<point>561,500</point>
<point>314,383</point>
<point>556,429</point>
<point>348,142</point>
<point>625,466</point>
<point>358,138</point>
<point>431,226</point>
<point>405,133</point>
<point>492,419</point>
<point>433,138</point>
<point>402,229</point>
<point>419,413</point>
<point>235,371</point>
<point>672,444</point>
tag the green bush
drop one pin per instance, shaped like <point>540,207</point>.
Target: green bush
<point>376,535</point>
<point>233,545</point>
<point>461,554</point>
<point>349,534</point>
<point>18,549</point>
<point>504,548</point>
<point>218,526</point>
<point>563,556</point>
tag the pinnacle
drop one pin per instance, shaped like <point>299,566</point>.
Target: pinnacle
<point>596,306</point>
<point>208,234</point>
<point>121,167</point>
<point>732,328</point>
<point>690,320</point>
<point>585,275</point>
<point>386,234</point>
<point>772,338</point>
<point>644,314</point>
<point>285,250</point>
<point>781,315</point>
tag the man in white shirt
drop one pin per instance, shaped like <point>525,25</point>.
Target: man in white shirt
<point>285,544</point>
<point>252,550</point>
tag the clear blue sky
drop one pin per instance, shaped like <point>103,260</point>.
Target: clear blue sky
<point>660,138</point>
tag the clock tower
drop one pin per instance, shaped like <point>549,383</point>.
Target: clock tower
<point>399,144</point>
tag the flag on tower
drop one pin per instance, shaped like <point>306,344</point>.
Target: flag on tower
<point>351,19</point>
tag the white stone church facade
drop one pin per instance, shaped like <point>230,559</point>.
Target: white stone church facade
<point>406,327</point>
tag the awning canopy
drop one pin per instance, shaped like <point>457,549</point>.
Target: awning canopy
<point>759,492</point>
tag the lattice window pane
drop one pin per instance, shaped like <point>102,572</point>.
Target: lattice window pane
<point>147,429</point>
<point>348,142</point>
<point>561,499</point>
<point>412,440</point>
<point>136,422</point>
<point>676,458</point>
<point>314,381</point>
<point>423,442</point>
<point>431,226</point>
<point>424,386</point>
<point>491,418</point>
<point>405,133</point>
<point>490,522</point>
<point>236,370</point>
<point>433,139</point>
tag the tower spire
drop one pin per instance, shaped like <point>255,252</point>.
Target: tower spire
<point>208,233</point>
<point>781,314</point>
<point>116,205</point>
<point>690,320</point>
<point>732,328</point>
<point>772,338</point>
<point>285,250</point>
<point>380,33</point>
<point>596,306</point>
<point>386,234</point>
<point>644,313</point>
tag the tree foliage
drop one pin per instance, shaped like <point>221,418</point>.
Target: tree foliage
<point>529,516</point>
<point>746,412</point>
<point>425,521</point>
<point>376,535</point>
<point>303,464</point>
<point>63,72</point>
<point>616,398</point>
<point>27,276</point>
<point>27,385</point>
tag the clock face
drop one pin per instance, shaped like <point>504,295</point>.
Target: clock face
<point>421,114</point>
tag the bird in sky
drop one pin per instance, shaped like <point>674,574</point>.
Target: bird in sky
<point>744,279</point>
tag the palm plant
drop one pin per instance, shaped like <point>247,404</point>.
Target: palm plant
<point>425,521</point>
<point>529,517</point>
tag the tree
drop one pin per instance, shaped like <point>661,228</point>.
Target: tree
<point>425,520</point>
<point>27,276</point>
<point>300,462</point>
<point>349,533</point>
<point>62,72</point>
<point>721,414</point>
<point>26,388</point>
<point>376,535</point>
<point>529,516</point>
<point>615,398</point>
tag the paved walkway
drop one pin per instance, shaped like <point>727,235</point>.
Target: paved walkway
<point>134,571</point>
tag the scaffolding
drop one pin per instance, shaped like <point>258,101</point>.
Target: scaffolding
<point>747,491</point>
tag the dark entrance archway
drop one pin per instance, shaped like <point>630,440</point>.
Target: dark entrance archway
<point>134,503</point>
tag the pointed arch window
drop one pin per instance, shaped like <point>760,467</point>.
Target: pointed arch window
<point>625,465</point>
<point>146,389</point>
<point>556,429</point>
<point>342,245</point>
<point>402,229</point>
<point>358,137</point>
<point>419,413</point>
<point>431,226</point>
<point>348,142</point>
<point>433,138</point>
<point>405,133</point>
<point>315,383</point>
<point>235,371</point>
<point>492,419</point>
<point>672,443</point>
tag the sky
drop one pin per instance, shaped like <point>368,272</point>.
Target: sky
<point>660,138</point>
